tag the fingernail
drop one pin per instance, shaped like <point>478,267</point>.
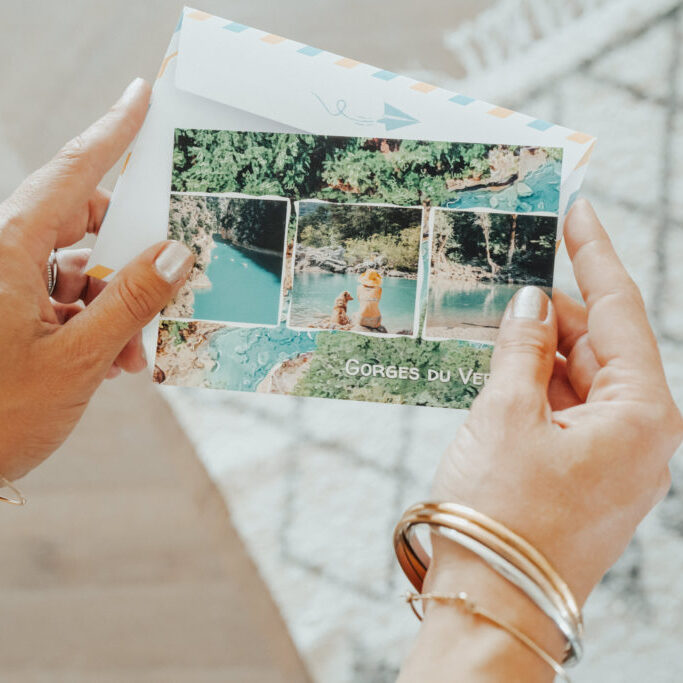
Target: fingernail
<point>530,303</point>
<point>174,262</point>
<point>133,89</point>
<point>135,84</point>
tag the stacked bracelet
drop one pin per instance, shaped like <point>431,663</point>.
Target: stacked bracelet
<point>506,552</point>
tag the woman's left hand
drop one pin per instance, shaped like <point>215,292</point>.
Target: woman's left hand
<point>54,352</point>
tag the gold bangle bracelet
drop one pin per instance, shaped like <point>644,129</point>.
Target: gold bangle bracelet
<point>527,549</point>
<point>501,541</point>
<point>464,525</point>
<point>447,513</point>
<point>547,603</point>
<point>504,551</point>
<point>20,498</point>
<point>465,602</point>
<point>427,510</point>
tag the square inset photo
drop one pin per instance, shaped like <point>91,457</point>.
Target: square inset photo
<point>478,261</point>
<point>356,268</point>
<point>239,245</point>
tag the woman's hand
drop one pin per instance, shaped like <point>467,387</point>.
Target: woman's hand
<point>570,451</point>
<point>55,352</point>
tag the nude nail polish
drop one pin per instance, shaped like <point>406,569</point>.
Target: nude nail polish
<point>530,303</point>
<point>174,262</point>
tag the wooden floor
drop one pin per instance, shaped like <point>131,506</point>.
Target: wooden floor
<point>124,565</point>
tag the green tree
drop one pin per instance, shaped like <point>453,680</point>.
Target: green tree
<point>255,222</point>
<point>404,172</point>
<point>250,163</point>
<point>513,248</point>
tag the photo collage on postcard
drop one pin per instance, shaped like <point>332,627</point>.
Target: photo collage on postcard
<point>317,256</point>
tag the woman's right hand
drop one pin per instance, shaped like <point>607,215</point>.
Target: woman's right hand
<point>570,451</point>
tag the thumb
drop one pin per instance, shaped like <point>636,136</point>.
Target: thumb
<point>128,303</point>
<point>524,355</point>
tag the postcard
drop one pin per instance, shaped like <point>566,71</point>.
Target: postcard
<point>383,234</point>
<point>357,234</point>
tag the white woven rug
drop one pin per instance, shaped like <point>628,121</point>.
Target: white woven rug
<point>314,486</point>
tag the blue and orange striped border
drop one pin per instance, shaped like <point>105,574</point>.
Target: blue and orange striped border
<point>310,52</point>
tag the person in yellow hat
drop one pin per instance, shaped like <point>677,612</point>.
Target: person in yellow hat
<point>369,293</point>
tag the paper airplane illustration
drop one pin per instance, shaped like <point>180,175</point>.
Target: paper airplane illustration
<point>395,118</point>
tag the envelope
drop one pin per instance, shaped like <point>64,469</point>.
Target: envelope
<point>219,74</point>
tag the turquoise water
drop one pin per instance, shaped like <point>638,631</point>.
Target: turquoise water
<point>244,356</point>
<point>542,193</point>
<point>245,286</point>
<point>313,296</point>
<point>468,304</point>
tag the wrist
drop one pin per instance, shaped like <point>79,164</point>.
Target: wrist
<point>455,569</point>
<point>477,650</point>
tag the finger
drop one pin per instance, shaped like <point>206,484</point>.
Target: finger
<point>97,209</point>
<point>132,358</point>
<point>74,285</point>
<point>524,355</point>
<point>574,344</point>
<point>572,321</point>
<point>113,372</point>
<point>72,282</point>
<point>561,394</point>
<point>138,292</point>
<point>65,312</point>
<point>53,207</point>
<point>618,328</point>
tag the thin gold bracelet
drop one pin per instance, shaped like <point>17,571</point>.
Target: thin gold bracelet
<point>499,540</point>
<point>20,497</point>
<point>464,601</point>
<point>504,551</point>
